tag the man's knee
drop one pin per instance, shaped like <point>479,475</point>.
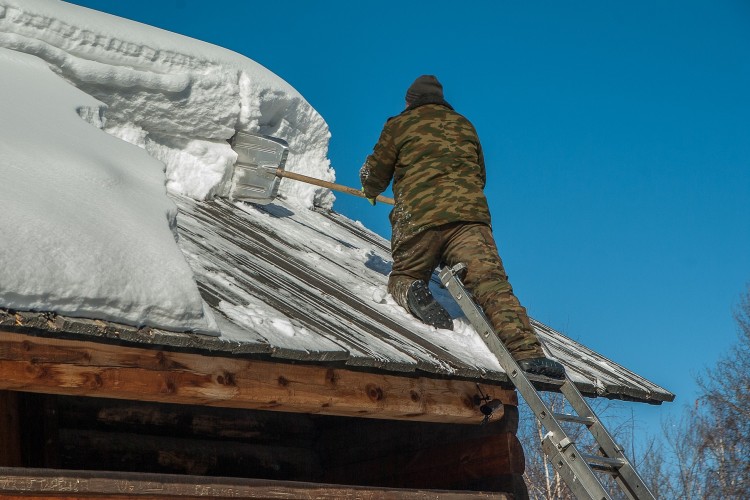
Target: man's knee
<point>413,259</point>
<point>490,287</point>
<point>475,248</point>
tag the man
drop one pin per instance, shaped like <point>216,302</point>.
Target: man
<point>435,160</point>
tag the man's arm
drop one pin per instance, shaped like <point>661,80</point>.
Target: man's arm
<point>480,160</point>
<point>377,171</point>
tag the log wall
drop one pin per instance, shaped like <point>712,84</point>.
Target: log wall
<point>102,434</point>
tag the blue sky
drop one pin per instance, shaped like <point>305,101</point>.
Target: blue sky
<point>616,135</point>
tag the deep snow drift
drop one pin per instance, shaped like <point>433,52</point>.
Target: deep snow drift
<point>87,228</point>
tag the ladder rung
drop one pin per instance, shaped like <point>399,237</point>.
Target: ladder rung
<point>565,417</point>
<point>603,463</point>
<point>544,383</point>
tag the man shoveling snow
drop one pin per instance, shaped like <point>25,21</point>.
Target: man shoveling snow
<point>434,157</point>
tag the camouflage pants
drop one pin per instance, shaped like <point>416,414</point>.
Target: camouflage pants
<point>470,243</point>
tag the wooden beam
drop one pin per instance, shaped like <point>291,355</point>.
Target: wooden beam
<point>63,484</point>
<point>85,368</point>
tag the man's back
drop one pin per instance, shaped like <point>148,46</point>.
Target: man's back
<point>435,159</point>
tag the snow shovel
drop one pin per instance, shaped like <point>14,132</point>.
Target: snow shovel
<point>260,167</point>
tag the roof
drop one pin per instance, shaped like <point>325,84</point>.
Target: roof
<point>282,284</point>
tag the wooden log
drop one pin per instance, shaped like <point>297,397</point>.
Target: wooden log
<point>124,440</point>
<point>97,450</point>
<point>186,420</point>
<point>71,367</point>
<point>346,441</point>
<point>509,483</point>
<point>10,430</point>
<point>42,484</point>
<point>445,467</point>
<point>407,454</point>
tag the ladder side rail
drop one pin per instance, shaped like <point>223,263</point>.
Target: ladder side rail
<point>583,486</point>
<point>477,318</point>
<point>583,409</point>
<point>567,458</point>
<point>627,477</point>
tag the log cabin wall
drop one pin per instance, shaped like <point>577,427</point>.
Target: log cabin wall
<point>97,434</point>
<point>401,454</point>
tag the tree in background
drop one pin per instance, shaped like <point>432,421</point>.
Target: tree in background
<point>723,417</point>
<point>683,468</point>
<point>541,478</point>
<point>705,454</point>
<point>709,447</point>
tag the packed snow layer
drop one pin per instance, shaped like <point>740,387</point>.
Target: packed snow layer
<point>87,227</point>
<point>99,114</point>
<point>179,98</point>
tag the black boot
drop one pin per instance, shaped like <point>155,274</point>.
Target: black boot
<point>543,366</point>
<point>424,306</point>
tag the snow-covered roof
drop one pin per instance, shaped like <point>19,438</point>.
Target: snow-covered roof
<point>99,113</point>
<point>299,285</point>
<point>310,285</point>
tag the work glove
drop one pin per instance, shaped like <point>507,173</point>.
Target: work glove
<point>371,200</point>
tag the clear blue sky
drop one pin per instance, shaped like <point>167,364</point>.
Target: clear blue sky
<point>616,135</point>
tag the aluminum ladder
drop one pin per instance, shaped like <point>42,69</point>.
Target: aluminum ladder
<point>576,468</point>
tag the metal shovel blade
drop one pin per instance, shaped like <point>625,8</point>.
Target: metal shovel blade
<point>260,167</point>
<point>255,178</point>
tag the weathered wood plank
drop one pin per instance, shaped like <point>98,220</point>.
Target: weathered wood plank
<point>10,430</point>
<point>35,483</point>
<point>82,368</point>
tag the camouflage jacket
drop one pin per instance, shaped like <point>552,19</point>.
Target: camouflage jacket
<point>435,160</point>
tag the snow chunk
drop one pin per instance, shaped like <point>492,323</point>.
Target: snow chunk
<point>267,321</point>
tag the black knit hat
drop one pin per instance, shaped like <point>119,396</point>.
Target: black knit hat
<point>424,85</point>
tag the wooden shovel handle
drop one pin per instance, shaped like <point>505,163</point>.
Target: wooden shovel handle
<point>329,185</point>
